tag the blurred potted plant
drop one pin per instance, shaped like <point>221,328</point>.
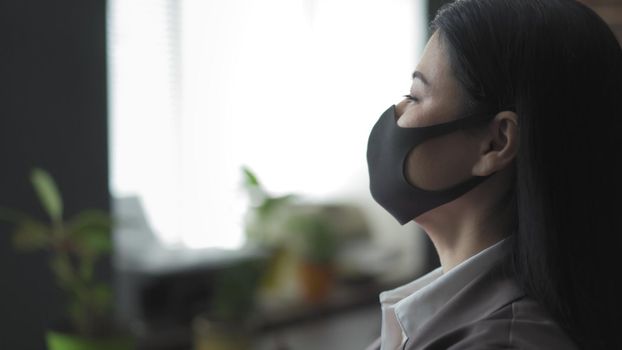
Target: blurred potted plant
<point>293,230</point>
<point>75,247</point>
<point>315,242</point>
<point>265,222</point>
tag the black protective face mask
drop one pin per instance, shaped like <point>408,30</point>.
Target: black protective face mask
<point>387,150</point>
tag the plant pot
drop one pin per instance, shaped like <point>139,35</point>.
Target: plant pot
<point>316,280</point>
<point>64,341</point>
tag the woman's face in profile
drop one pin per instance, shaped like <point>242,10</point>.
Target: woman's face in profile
<point>436,97</point>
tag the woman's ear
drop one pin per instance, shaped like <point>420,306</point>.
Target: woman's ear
<point>499,144</point>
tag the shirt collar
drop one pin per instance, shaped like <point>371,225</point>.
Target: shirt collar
<point>416,302</point>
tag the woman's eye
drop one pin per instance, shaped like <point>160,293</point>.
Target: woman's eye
<point>412,98</point>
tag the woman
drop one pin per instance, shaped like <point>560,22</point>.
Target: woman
<point>506,152</point>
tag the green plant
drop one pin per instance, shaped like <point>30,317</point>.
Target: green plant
<point>282,222</point>
<point>314,239</point>
<point>265,224</point>
<point>75,246</point>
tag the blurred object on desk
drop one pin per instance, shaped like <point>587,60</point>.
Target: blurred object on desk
<point>307,235</point>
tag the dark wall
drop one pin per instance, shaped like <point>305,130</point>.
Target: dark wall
<point>52,115</point>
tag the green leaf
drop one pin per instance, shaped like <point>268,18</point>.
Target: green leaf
<point>250,179</point>
<point>91,231</point>
<point>95,242</point>
<point>48,193</point>
<point>63,272</point>
<point>31,235</point>
<point>89,219</point>
<point>86,267</point>
<point>316,239</point>
<point>101,297</point>
<point>272,204</point>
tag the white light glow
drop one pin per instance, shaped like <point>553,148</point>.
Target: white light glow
<point>290,88</point>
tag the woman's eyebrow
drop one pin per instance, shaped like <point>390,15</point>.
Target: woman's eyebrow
<point>418,75</point>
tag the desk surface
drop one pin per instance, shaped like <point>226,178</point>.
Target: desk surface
<point>351,330</point>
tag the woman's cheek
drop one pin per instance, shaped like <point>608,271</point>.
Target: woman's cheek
<point>438,163</point>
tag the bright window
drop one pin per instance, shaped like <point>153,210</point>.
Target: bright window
<point>290,88</point>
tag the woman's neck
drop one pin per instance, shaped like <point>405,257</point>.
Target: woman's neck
<point>471,229</point>
<point>456,249</point>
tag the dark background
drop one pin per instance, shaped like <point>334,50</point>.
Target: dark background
<point>52,115</point>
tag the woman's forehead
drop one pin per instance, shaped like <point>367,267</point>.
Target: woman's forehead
<point>434,66</point>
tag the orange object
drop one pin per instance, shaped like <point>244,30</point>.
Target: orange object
<point>317,281</point>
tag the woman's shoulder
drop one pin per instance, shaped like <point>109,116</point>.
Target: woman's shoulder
<point>521,324</point>
<point>491,312</point>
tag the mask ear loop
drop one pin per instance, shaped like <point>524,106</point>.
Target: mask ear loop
<point>470,121</point>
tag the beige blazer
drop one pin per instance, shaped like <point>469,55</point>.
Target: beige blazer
<point>490,312</point>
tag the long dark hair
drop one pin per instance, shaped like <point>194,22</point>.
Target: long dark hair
<point>559,67</point>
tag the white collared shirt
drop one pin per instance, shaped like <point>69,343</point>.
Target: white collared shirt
<point>410,306</point>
